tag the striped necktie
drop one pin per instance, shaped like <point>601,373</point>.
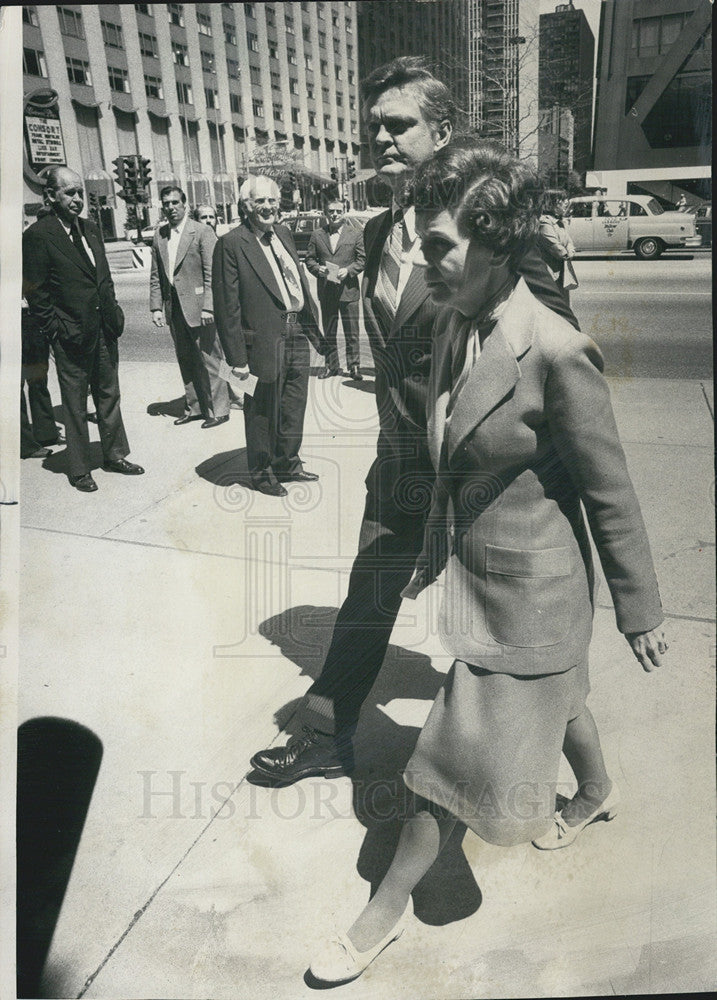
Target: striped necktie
<point>290,283</point>
<point>391,259</point>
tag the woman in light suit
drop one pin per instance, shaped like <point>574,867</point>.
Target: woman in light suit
<point>523,440</point>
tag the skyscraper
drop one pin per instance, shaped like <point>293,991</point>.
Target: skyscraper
<point>567,54</point>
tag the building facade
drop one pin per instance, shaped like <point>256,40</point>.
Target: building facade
<point>566,75</point>
<point>653,120</point>
<point>208,92</point>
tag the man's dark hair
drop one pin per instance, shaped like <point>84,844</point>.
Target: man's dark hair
<point>169,189</point>
<point>433,96</point>
<point>491,193</point>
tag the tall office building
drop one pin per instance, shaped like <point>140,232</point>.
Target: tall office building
<point>653,120</point>
<point>566,74</point>
<point>206,91</point>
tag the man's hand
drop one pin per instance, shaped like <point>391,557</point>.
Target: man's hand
<point>323,270</point>
<point>158,317</point>
<point>648,647</point>
<point>207,317</point>
<point>342,273</point>
<point>241,373</point>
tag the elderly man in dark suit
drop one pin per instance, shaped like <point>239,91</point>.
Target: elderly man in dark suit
<point>265,320</point>
<point>180,286</point>
<point>409,115</point>
<point>336,257</point>
<point>68,286</point>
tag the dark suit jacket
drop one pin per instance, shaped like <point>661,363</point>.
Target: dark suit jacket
<point>531,438</point>
<point>248,308</point>
<point>349,254</point>
<point>71,300</point>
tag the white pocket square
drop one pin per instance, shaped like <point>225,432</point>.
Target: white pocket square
<point>199,291</point>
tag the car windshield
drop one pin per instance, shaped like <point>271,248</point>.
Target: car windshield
<point>655,207</point>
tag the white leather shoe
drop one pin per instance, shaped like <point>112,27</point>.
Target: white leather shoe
<point>340,962</point>
<point>562,835</point>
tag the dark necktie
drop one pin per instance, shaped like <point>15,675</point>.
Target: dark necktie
<point>76,238</point>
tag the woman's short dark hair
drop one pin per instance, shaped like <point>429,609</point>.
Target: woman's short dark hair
<point>491,193</point>
<point>550,201</point>
<point>433,96</point>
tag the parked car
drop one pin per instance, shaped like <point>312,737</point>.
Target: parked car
<point>633,222</point>
<point>703,222</point>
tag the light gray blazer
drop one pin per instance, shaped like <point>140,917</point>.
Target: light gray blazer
<point>532,441</point>
<point>192,271</point>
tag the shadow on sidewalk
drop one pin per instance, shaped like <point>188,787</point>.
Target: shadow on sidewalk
<point>58,761</point>
<point>167,408</point>
<point>227,468</point>
<point>382,748</point>
<point>57,461</point>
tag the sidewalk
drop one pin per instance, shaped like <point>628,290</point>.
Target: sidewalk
<point>181,614</point>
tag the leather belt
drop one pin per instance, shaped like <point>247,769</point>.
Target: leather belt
<point>291,317</point>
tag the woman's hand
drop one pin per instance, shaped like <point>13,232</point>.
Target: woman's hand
<point>648,647</point>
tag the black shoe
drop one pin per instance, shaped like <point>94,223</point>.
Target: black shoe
<point>215,421</point>
<point>186,419</point>
<point>270,489</point>
<point>38,453</point>
<point>84,483</point>
<point>328,372</point>
<point>355,374</point>
<point>297,477</point>
<point>303,757</point>
<point>123,466</point>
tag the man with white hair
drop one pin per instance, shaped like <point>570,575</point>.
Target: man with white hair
<point>265,319</point>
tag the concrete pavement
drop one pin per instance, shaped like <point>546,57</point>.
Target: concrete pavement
<point>178,616</point>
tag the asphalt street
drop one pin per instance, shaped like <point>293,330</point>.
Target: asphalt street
<point>652,319</point>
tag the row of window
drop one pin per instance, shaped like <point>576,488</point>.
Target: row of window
<point>654,36</point>
<point>71,21</point>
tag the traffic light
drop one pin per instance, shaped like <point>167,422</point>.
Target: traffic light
<point>334,173</point>
<point>119,173</point>
<point>131,174</point>
<point>292,180</point>
<point>350,168</point>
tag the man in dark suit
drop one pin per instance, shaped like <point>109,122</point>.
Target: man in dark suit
<point>68,286</point>
<point>409,115</point>
<point>336,257</point>
<point>265,319</point>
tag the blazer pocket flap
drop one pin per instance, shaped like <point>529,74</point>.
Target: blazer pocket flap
<point>528,562</point>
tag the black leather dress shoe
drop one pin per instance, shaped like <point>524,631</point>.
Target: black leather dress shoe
<point>123,466</point>
<point>85,483</point>
<point>215,421</point>
<point>187,419</point>
<point>329,372</point>
<point>305,756</point>
<point>270,489</point>
<point>355,374</point>
<point>38,453</point>
<point>297,477</point>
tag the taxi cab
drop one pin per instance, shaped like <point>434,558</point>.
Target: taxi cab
<point>633,222</point>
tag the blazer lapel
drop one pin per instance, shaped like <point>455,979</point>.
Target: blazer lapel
<point>414,294</point>
<point>185,241</point>
<point>94,244</point>
<point>63,242</point>
<point>439,395</point>
<point>496,370</point>
<point>373,251</point>
<point>163,246</point>
<point>255,255</point>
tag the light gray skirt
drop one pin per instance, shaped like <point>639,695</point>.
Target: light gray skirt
<point>490,749</point>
